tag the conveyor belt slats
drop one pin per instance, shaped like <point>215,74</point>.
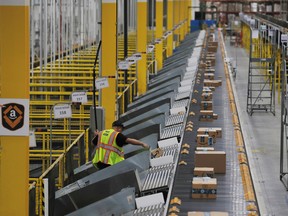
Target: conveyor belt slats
<point>172,131</point>
<point>175,119</point>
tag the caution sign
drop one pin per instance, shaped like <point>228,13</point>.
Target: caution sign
<point>14,117</point>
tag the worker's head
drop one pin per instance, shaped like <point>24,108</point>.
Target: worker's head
<point>118,126</point>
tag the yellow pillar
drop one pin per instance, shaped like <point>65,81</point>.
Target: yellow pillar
<point>108,60</point>
<point>176,20</point>
<point>159,33</point>
<point>14,83</point>
<point>170,27</point>
<point>141,45</point>
<point>189,8</point>
<point>182,14</point>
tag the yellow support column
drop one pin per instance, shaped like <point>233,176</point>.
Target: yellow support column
<point>189,12</point>
<point>176,21</point>
<point>14,83</point>
<point>181,15</point>
<point>170,27</point>
<point>142,45</point>
<point>159,33</point>
<point>108,60</point>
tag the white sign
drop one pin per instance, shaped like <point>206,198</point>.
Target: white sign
<point>252,22</point>
<point>62,111</point>
<point>101,83</point>
<point>123,65</point>
<point>14,117</point>
<point>270,33</point>
<point>150,48</point>
<point>263,27</point>
<point>131,60</point>
<point>284,38</point>
<point>158,41</point>
<point>137,56</point>
<point>255,33</point>
<point>79,97</point>
<point>32,139</point>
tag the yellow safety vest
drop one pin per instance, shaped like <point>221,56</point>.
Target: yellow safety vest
<point>107,151</point>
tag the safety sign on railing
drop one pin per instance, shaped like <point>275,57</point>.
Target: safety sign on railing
<point>14,117</point>
<point>32,139</point>
<point>284,38</point>
<point>79,97</point>
<point>150,48</point>
<point>62,111</point>
<point>101,83</point>
<point>255,34</point>
<point>123,65</point>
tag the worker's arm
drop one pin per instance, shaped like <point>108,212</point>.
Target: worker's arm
<point>137,142</point>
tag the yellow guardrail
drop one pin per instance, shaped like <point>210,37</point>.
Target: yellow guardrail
<point>59,171</point>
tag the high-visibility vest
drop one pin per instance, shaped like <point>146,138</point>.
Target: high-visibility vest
<point>107,151</point>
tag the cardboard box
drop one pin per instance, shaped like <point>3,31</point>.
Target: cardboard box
<point>215,159</point>
<point>204,188</point>
<point>212,132</point>
<point>204,148</point>
<point>204,172</point>
<point>206,90</point>
<point>211,60</point>
<point>212,49</point>
<point>207,96</point>
<point>209,76</point>
<point>210,70</point>
<point>212,83</point>
<point>206,115</point>
<point>206,105</point>
<point>204,140</point>
<point>212,213</point>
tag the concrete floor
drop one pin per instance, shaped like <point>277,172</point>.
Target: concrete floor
<point>262,139</point>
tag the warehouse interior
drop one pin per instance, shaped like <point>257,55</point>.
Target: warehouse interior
<point>203,83</point>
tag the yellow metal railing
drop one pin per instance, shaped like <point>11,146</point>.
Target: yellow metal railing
<point>60,170</point>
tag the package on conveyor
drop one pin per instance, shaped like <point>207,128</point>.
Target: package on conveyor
<point>204,148</point>
<point>210,70</point>
<point>206,105</point>
<point>209,76</point>
<point>212,48</point>
<point>215,159</point>
<point>211,60</point>
<point>212,213</point>
<point>204,140</point>
<point>207,96</point>
<point>212,83</point>
<point>213,43</point>
<point>204,172</point>
<point>208,89</point>
<point>207,115</point>
<point>202,65</point>
<point>204,188</point>
<point>213,131</point>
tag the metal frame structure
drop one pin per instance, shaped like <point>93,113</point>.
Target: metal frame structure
<point>284,121</point>
<point>261,85</point>
<point>281,27</point>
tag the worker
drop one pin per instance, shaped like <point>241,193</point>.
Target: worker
<point>109,145</point>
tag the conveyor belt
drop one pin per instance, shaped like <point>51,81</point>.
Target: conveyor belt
<point>170,150</point>
<point>180,103</point>
<point>230,195</point>
<point>158,177</point>
<point>183,95</point>
<point>154,210</point>
<point>174,119</point>
<point>172,131</point>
